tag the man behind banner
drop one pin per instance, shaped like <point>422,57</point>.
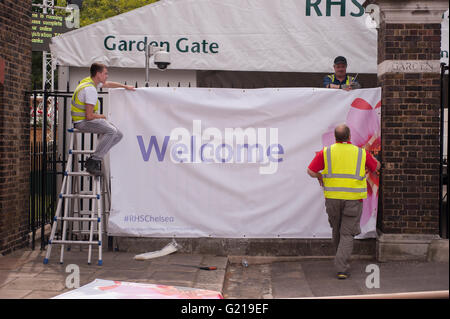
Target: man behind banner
<point>85,118</point>
<point>343,167</point>
<point>340,79</point>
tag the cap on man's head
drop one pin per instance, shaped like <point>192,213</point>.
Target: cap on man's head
<point>340,59</point>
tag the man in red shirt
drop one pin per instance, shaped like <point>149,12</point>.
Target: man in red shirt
<point>340,170</point>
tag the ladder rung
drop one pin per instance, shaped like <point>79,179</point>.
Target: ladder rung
<point>85,193</point>
<point>86,219</point>
<point>84,173</point>
<point>85,232</point>
<point>81,152</point>
<point>84,212</point>
<point>79,196</point>
<point>64,242</point>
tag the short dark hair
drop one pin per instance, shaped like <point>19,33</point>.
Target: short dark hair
<point>96,67</point>
<point>342,133</point>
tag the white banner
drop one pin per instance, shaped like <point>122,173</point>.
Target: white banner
<point>444,38</point>
<point>197,162</point>
<point>252,35</point>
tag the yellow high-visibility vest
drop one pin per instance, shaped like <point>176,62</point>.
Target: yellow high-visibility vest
<point>347,81</point>
<point>344,175</point>
<point>78,108</point>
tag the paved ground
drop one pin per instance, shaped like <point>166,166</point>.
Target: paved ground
<point>23,275</point>
<point>316,278</point>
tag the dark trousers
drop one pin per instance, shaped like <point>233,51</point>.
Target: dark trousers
<point>344,217</point>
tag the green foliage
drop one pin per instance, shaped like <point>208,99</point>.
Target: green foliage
<point>98,10</point>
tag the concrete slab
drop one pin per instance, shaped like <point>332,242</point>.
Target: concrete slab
<point>289,281</point>
<point>399,247</point>
<point>170,267</point>
<point>211,280</point>
<point>54,284</point>
<point>42,294</point>
<point>186,259</point>
<point>251,282</point>
<point>438,251</point>
<point>117,274</point>
<point>14,294</point>
<point>244,246</point>
<point>187,276</point>
<point>12,264</point>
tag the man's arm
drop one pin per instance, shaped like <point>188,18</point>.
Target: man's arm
<point>326,82</point>
<point>316,165</point>
<point>316,175</point>
<point>372,163</point>
<point>90,115</point>
<point>115,85</point>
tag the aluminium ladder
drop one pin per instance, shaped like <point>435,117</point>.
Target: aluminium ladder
<point>70,191</point>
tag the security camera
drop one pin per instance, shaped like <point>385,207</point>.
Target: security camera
<point>162,59</point>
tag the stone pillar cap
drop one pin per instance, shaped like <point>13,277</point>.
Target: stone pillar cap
<point>410,11</point>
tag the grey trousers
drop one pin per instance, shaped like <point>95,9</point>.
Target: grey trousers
<point>108,135</point>
<point>344,217</point>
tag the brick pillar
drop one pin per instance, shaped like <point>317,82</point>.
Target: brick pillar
<point>15,53</point>
<point>409,41</point>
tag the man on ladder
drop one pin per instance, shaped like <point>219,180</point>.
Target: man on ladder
<point>85,118</point>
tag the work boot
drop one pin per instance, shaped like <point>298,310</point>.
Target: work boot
<point>93,166</point>
<point>343,275</point>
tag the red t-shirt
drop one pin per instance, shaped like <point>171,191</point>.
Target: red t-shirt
<point>318,162</point>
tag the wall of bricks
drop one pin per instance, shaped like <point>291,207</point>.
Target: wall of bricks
<point>15,50</point>
<point>410,131</point>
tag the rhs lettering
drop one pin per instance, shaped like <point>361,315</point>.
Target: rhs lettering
<point>319,6</point>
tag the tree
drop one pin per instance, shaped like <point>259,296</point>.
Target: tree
<point>98,10</point>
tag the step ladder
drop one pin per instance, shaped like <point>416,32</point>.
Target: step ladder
<point>69,212</point>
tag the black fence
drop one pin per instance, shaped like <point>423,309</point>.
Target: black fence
<point>47,162</point>
<point>42,186</point>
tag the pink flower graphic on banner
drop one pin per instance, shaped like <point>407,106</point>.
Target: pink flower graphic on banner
<point>364,122</point>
